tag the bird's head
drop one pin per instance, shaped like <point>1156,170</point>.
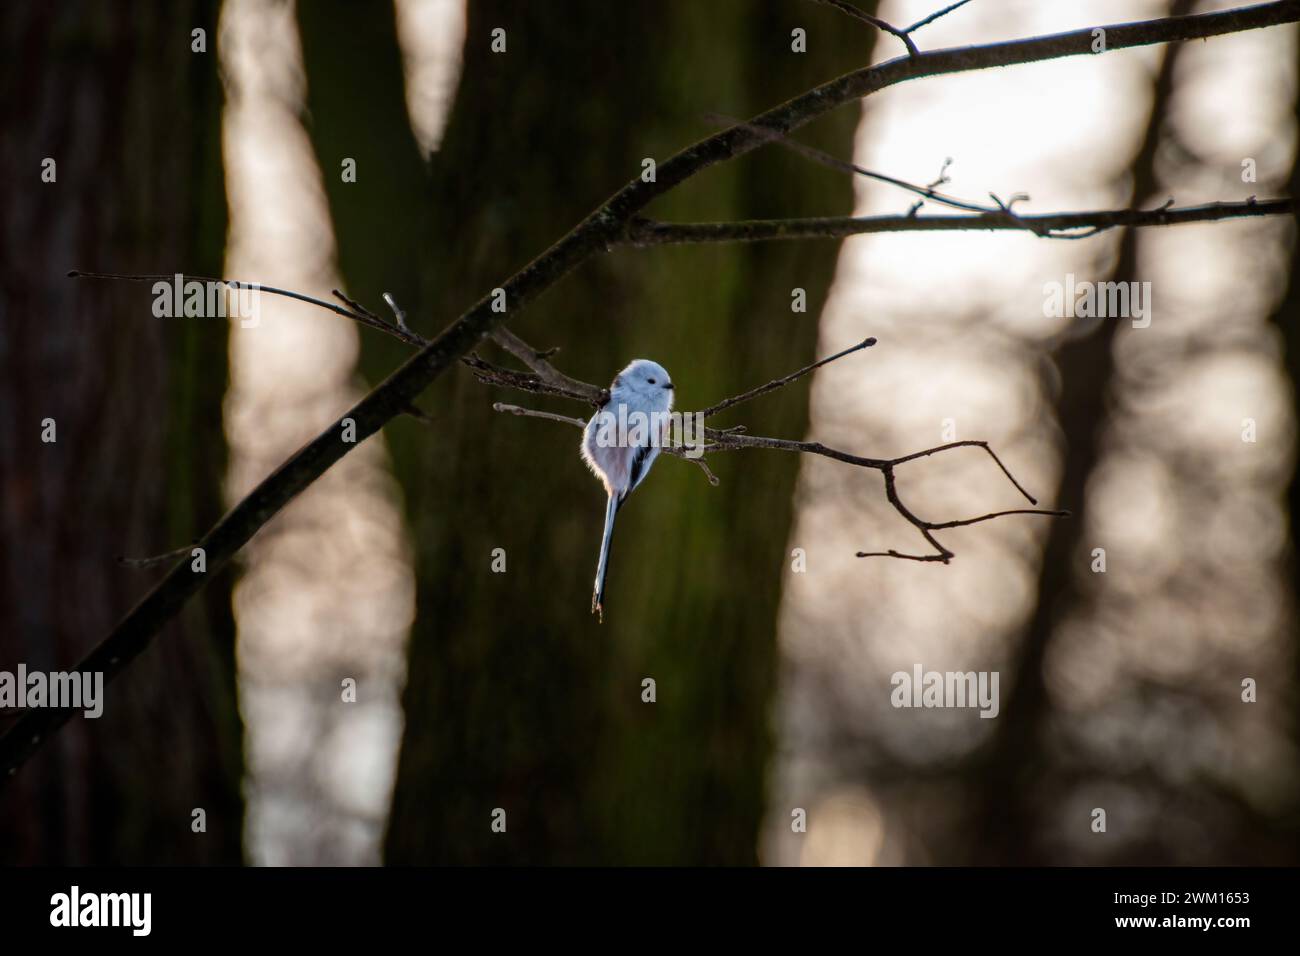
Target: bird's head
<point>648,381</point>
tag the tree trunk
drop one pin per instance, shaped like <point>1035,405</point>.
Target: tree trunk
<point>131,118</point>
<point>1009,780</point>
<point>517,698</point>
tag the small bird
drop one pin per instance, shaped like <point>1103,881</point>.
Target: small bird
<point>621,442</point>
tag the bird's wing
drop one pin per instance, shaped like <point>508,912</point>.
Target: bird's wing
<point>642,459</point>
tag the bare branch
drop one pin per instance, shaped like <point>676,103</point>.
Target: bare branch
<point>398,314</point>
<point>834,162</point>
<point>697,460</point>
<point>419,415</point>
<point>778,383</point>
<point>645,232</point>
<point>940,556</point>
<point>536,361</point>
<point>534,413</point>
<point>734,438</point>
<point>156,559</point>
<point>963,522</point>
<point>904,34</point>
<point>547,374</point>
<point>926,21</point>
<point>491,374</point>
<point>355,311</point>
<point>354,305</point>
<point>727,440</point>
<point>942,179</point>
<point>845,7</point>
<point>969,443</point>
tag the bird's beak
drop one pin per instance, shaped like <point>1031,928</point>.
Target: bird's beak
<point>669,386</point>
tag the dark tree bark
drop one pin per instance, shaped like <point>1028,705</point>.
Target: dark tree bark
<point>517,698</point>
<point>131,117</point>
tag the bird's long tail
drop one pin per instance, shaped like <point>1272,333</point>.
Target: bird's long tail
<point>598,595</point>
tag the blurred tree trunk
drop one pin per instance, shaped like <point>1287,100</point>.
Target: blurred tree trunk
<point>517,698</point>
<point>131,117</point>
<point>1287,319</point>
<point>1010,785</point>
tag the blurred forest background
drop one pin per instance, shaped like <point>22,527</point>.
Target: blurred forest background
<point>480,690</point>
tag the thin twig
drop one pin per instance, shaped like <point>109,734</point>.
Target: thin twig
<point>926,21</point>
<point>491,374</point>
<point>963,522</point>
<point>646,232</point>
<point>969,443</point>
<point>547,373</point>
<point>562,384</point>
<point>537,361</point>
<point>942,178</point>
<point>845,7</point>
<point>398,314</point>
<point>421,416</point>
<point>904,34</point>
<point>355,312</point>
<point>722,441</point>
<point>697,460</point>
<point>779,382</point>
<point>733,438</point>
<point>843,165</point>
<point>354,304</point>
<point>157,559</point>
<point>534,413</point>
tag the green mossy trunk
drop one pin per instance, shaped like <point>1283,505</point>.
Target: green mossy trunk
<point>517,698</point>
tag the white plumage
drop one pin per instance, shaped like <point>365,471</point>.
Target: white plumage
<point>619,444</point>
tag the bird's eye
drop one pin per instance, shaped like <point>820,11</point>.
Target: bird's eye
<point>652,381</point>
